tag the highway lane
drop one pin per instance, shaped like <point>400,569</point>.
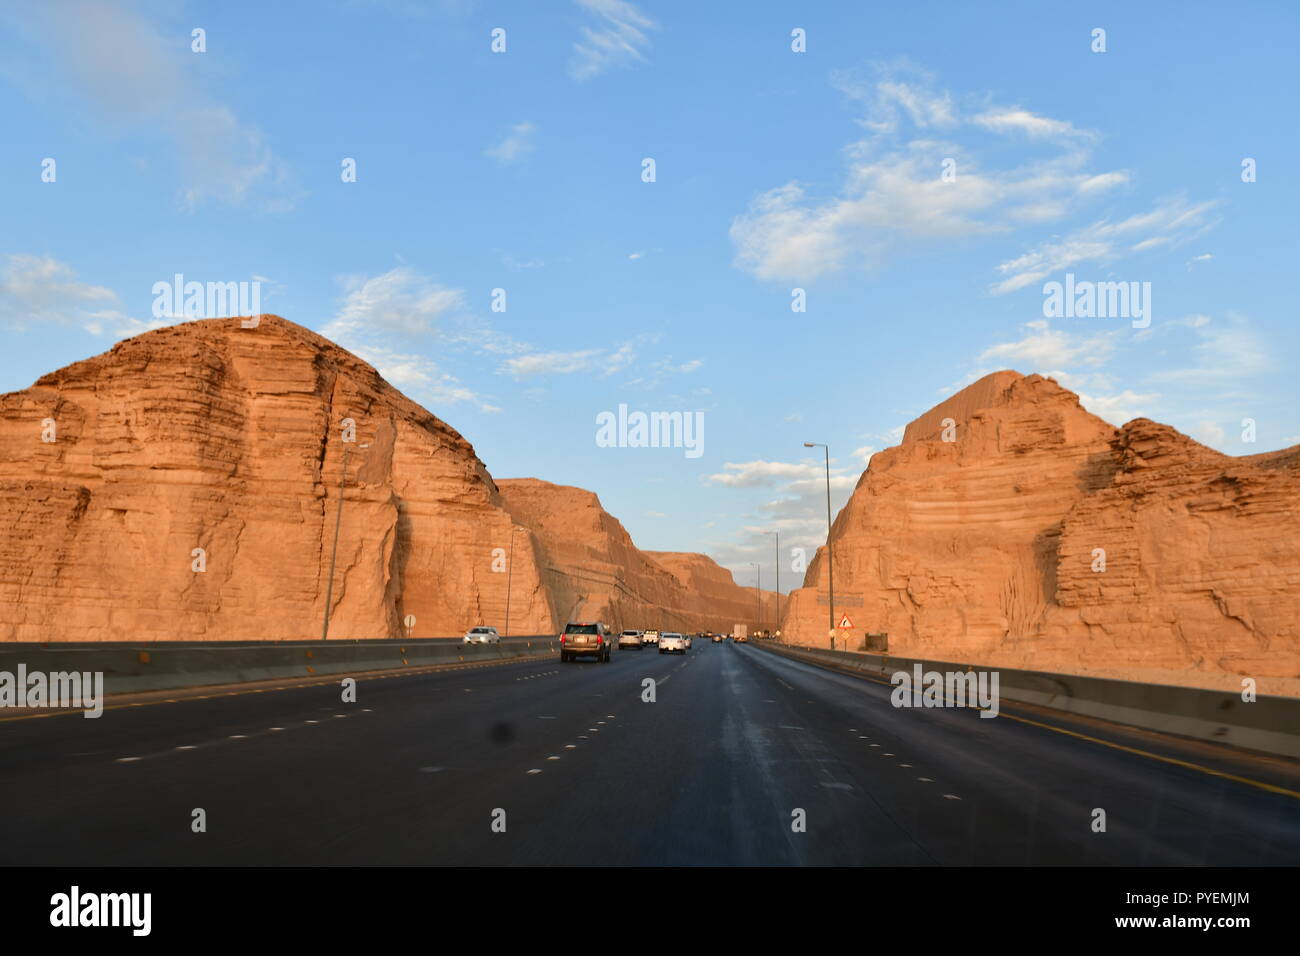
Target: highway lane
<point>738,746</point>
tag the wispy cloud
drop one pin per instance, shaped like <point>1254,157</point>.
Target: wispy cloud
<point>617,40</point>
<point>894,190</point>
<point>515,145</point>
<point>1170,222</point>
<point>42,291</point>
<point>137,78</point>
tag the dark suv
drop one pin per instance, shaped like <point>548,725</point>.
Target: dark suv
<point>584,638</point>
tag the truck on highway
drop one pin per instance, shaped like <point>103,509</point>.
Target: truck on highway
<point>740,633</point>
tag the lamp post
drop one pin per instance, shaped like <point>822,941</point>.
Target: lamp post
<point>830,549</point>
<point>334,553</point>
<point>758,594</point>
<point>510,571</point>
<point>777,552</point>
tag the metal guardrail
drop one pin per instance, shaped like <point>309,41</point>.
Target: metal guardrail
<point>1269,724</point>
<point>129,667</point>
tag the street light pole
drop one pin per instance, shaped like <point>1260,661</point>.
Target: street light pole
<point>510,571</point>
<point>334,553</point>
<point>830,549</point>
<point>777,552</point>
<point>758,595</point>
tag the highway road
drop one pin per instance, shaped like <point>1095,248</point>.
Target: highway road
<point>738,746</point>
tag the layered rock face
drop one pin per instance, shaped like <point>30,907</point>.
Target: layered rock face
<point>712,592</point>
<point>186,486</point>
<point>593,571</point>
<point>212,436</point>
<point>1042,537</point>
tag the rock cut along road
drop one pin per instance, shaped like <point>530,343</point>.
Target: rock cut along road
<point>744,758</point>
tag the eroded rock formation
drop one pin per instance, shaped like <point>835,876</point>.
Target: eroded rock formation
<point>1040,536</point>
<point>185,485</point>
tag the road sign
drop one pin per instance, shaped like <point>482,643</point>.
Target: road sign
<point>845,622</point>
<point>410,620</point>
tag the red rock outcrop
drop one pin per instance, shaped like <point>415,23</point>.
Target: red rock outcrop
<point>191,491</point>
<point>712,592</point>
<point>987,548</point>
<point>214,436</point>
<point>593,571</point>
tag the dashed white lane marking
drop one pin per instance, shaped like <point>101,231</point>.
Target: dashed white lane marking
<point>534,771</point>
<point>127,759</point>
<point>593,730</point>
<point>925,779</point>
<point>600,721</point>
<point>582,736</point>
<point>905,765</point>
<point>860,737</point>
<point>275,728</point>
<point>552,758</point>
<point>337,716</point>
<point>237,736</point>
<point>187,747</point>
<point>951,796</point>
<point>366,710</point>
<point>610,716</point>
<point>887,755</point>
<point>570,746</point>
<point>788,727</point>
<point>875,745</point>
<point>311,721</point>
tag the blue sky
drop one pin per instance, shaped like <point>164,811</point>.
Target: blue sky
<point>775,170</point>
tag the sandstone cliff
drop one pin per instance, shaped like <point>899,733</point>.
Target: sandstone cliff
<point>1043,537</point>
<point>211,436</point>
<point>185,486</point>
<point>593,571</point>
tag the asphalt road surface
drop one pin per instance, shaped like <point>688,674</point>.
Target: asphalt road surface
<point>738,749</point>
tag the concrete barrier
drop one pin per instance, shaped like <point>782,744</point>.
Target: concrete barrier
<point>129,667</point>
<point>1268,724</point>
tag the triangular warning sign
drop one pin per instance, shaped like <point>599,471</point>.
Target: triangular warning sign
<point>845,622</point>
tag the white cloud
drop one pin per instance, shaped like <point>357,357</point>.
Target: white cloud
<point>894,194</point>
<point>516,144</point>
<point>40,290</point>
<point>605,361</point>
<point>137,77</point>
<point>1044,348</point>
<point>401,301</point>
<point>618,39</point>
<point>1172,221</point>
<point>1223,353</point>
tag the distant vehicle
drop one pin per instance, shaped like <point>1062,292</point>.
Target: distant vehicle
<point>482,635</point>
<point>672,643</point>
<point>629,639</point>
<point>717,638</point>
<point>738,633</point>
<point>688,641</point>
<point>650,637</point>
<point>580,638</point>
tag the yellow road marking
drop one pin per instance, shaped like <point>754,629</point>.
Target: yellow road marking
<point>1185,764</point>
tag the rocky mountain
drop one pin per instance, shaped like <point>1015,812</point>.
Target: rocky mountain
<point>1013,527</point>
<point>185,485</point>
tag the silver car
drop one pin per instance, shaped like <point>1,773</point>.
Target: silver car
<point>482,635</point>
<point>672,643</point>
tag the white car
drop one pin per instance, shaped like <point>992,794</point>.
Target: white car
<point>629,639</point>
<point>688,642</point>
<point>670,643</point>
<point>650,637</point>
<point>482,635</point>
